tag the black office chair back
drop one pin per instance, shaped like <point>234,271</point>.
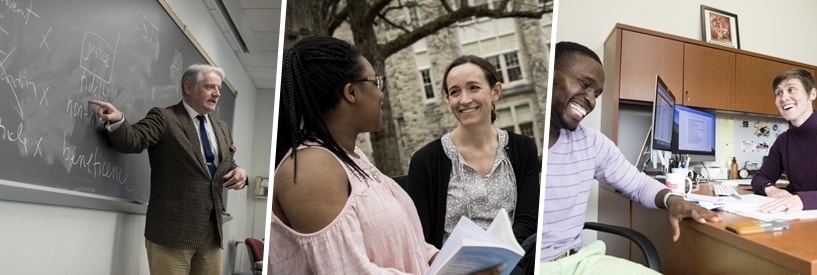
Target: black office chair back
<point>650,253</point>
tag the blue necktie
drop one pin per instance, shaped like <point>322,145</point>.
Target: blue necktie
<point>205,142</point>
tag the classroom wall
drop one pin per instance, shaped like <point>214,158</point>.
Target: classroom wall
<point>783,32</point>
<point>262,153</point>
<point>44,239</point>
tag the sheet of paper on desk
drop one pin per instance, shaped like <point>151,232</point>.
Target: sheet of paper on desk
<point>750,203</point>
<point>708,202</point>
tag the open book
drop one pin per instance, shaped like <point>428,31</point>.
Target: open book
<point>470,249</point>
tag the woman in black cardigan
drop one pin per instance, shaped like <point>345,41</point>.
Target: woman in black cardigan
<point>476,169</point>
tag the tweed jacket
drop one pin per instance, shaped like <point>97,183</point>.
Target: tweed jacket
<point>183,196</point>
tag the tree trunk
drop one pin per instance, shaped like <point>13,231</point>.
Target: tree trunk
<point>385,147</point>
<point>302,21</point>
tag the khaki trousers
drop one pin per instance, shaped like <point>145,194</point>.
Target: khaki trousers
<point>206,260</point>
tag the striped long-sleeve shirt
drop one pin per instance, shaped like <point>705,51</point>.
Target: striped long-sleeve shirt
<point>577,158</point>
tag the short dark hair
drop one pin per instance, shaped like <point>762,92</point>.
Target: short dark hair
<point>487,68</point>
<point>804,76</point>
<point>565,51</point>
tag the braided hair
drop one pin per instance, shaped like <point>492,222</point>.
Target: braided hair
<point>487,68</point>
<point>313,75</point>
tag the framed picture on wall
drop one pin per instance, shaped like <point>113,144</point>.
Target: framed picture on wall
<point>719,27</point>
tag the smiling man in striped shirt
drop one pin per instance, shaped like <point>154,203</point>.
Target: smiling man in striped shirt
<point>576,157</point>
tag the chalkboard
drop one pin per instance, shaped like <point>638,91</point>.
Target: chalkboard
<point>57,55</point>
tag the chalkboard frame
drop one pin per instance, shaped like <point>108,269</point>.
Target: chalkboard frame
<point>37,194</point>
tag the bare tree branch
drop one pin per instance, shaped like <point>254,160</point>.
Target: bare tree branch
<point>375,9</point>
<point>336,19</point>
<point>446,6</point>
<point>390,23</point>
<point>448,19</point>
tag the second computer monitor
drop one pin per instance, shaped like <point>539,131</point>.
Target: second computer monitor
<point>662,116</point>
<point>695,131</point>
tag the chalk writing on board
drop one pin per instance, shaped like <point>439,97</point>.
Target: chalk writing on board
<point>45,40</point>
<point>94,164</point>
<point>97,56</point>
<point>57,55</point>
<point>144,26</point>
<point>24,12</point>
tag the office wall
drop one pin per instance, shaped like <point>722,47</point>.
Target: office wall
<point>44,239</point>
<point>777,30</point>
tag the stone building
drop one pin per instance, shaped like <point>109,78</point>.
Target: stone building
<point>520,49</point>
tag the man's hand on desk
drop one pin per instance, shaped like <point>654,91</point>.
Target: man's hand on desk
<point>679,209</point>
<point>784,201</point>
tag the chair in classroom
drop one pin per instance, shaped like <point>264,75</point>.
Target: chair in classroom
<point>255,249</point>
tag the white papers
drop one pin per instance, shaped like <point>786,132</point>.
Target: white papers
<point>748,205</point>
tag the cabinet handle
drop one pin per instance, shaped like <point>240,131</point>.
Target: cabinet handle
<point>688,99</point>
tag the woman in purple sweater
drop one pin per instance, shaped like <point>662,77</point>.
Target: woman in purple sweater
<point>793,152</point>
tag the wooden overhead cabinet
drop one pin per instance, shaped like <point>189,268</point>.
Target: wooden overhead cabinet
<point>754,75</point>
<point>709,77</point>
<point>642,57</point>
<point>754,86</point>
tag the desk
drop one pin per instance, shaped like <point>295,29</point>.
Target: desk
<point>710,249</point>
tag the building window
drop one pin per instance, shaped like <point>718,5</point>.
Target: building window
<point>415,20</point>
<point>428,88</point>
<point>517,119</point>
<point>512,66</point>
<point>507,65</point>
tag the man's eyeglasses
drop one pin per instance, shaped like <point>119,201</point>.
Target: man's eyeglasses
<point>379,81</point>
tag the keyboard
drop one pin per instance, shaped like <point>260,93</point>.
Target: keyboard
<point>720,190</point>
<point>737,182</point>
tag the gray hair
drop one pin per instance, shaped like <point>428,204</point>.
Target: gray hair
<point>195,73</point>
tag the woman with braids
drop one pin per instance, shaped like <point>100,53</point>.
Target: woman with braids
<point>476,169</point>
<point>333,212</point>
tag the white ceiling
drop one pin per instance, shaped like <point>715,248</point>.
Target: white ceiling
<point>257,22</point>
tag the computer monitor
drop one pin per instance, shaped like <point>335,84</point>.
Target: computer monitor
<point>663,112</point>
<point>695,131</point>
<point>659,137</point>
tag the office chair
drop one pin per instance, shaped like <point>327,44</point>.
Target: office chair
<point>650,253</point>
<point>255,249</point>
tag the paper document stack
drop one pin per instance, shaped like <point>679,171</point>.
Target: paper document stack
<point>748,205</point>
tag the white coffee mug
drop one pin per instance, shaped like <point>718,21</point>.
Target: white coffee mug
<point>683,171</point>
<point>679,183</point>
